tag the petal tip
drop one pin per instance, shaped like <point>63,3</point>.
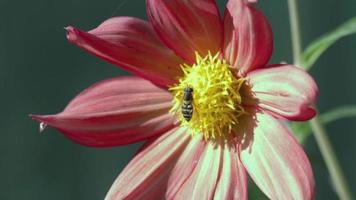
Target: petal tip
<point>35,117</point>
<point>311,113</point>
<point>71,33</point>
<point>305,114</point>
<point>41,119</point>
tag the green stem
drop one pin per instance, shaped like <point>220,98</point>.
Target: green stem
<point>295,31</point>
<point>319,131</point>
<point>330,159</point>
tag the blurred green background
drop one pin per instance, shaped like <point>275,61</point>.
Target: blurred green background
<point>40,72</point>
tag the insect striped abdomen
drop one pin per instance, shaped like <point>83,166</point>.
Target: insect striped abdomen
<point>187,106</point>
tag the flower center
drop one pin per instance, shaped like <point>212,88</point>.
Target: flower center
<point>207,98</point>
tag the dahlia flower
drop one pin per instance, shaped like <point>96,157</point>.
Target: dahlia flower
<point>238,104</point>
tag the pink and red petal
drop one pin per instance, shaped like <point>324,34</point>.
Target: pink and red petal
<point>232,182</point>
<point>187,26</point>
<point>146,176</point>
<point>248,39</point>
<point>202,181</point>
<point>284,91</point>
<point>207,171</point>
<point>185,166</point>
<point>276,162</point>
<point>114,112</point>
<point>132,44</point>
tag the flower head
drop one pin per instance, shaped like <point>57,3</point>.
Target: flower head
<point>234,103</point>
<point>217,103</point>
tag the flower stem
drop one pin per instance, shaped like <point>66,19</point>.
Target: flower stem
<point>295,31</point>
<point>319,131</point>
<point>330,158</point>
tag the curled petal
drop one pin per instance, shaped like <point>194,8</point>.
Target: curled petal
<point>146,176</point>
<point>284,91</point>
<point>132,44</point>
<point>114,112</point>
<point>248,40</point>
<point>187,26</point>
<point>276,162</point>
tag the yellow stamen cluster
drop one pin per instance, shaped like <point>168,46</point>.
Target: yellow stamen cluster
<point>216,98</point>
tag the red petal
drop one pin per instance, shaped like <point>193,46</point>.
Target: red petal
<point>146,176</point>
<point>132,44</point>
<point>276,162</point>
<point>187,26</point>
<point>285,91</point>
<point>248,40</point>
<point>114,112</point>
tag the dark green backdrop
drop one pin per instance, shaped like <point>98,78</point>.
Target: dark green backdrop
<point>40,72</point>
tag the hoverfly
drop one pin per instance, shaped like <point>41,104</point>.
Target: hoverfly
<point>187,106</point>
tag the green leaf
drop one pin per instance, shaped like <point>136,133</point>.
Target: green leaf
<point>317,48</point>
<point>303,129</point>
<point>338,113</point>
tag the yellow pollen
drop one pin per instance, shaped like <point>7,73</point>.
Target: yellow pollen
<point>216,97</point>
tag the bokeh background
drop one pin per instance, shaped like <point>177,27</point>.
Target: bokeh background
<point>40,72</point>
